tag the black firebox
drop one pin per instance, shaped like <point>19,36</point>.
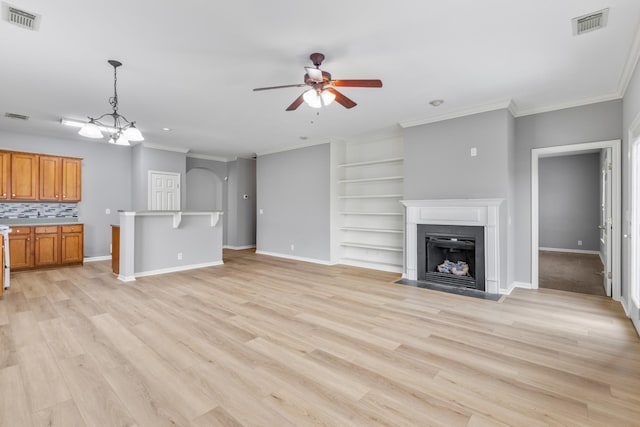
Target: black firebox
<point>451,255</point>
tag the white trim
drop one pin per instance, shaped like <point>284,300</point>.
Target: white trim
<point>513,285</point>
<point>176,269</point>
<point>484,108</point>
<point>616,176</point>
<point>238,248</point>
<point>372,265</point>
<point>296,258</point>
<point>570,104</point>
<point>634,229</point>
<point>126,278</point>
<point>207,157</point>
<point>630,65</point>
<point>289,147</point>
<point>97,258</point>
<point>570,251</point>
<point>165,147</point>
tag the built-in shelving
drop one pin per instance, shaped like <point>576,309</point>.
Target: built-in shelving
<point>369,186</point>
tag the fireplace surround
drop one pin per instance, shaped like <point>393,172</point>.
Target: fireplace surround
<point>483,213</point>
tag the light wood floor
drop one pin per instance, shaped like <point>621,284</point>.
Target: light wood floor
<point>270,342</point>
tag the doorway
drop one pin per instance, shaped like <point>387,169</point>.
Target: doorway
<point>606,224</point>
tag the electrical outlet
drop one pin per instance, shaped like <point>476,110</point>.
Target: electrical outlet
<point>108,211</point>
<point>292,248</point>
<point>179,255</point>
<point>261,211</point>
<point>579,242</point>
<point>473,151</point>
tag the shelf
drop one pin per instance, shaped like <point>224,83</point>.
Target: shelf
<point>372,162</point>
<point>372,213</point>
<point>373,196</point>
<point>372,230</point>
<point>376,247</point>
<point>385,178</point>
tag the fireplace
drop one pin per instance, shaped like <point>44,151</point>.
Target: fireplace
<point>451,255</point>
<point>462,215</point>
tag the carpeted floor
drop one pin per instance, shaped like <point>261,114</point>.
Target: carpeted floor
<point>571,272</point>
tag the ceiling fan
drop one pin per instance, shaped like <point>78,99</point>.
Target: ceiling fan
<point>323,89</point>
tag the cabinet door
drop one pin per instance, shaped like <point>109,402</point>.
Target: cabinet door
<point>24,176</point>
<point>20,251</point>
<point>2,265</point>
<point>46,249</point>
<point>5,159</point>
<point>71,180</point>
<point>49,178</point>
<point>72,248</point>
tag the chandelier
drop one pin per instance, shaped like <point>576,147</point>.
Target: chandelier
<point>116,126</point>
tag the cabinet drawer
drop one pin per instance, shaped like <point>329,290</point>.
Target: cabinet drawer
<point>20,230</point>
<point>76,228</point>
<point>47,229</point>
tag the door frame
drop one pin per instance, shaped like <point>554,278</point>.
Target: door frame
<point>616,208</point>
<point>149,186</point>
<point>634,220</point>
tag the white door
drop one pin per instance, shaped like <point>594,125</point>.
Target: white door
<point>605,227</point>
<point>164,191</point>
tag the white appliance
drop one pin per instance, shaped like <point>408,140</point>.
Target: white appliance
<point>5,230</point>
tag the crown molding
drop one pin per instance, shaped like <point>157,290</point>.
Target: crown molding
<point>207,157</point>
<point>630,65</point>
<point>290,147</point>
<point>570,104</point>
<point>165,147</point>
<point>484,108</point>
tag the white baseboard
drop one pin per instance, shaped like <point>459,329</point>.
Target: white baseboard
<point>514,285</point>
<point>372,265</point>
<point>126,278</point>
<point>296,258</point>
<point>571,251</point>
<point>179,268</point>
<point>238,248</point>
<point>97,258</point>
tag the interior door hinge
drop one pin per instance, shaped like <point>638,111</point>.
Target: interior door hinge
<point>610,166</point>
<point>609,275</point>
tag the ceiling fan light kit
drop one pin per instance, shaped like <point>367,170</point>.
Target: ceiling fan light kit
<point>323,88</point>
<point>122,131</point>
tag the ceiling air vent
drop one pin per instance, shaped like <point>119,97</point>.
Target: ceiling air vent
<point>16,116</point>
<point>21,18</point>
<point>590,22</point>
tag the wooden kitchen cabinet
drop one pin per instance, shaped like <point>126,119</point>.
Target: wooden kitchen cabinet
<point>24,176</point>
<point>5,175</point>
<point>115,249</point>
<point>50,178</point>
<point>71,179</point>
<point>20,248</point>
<point>72,244</point>
<point>46,246</point>
<point>2,265</point>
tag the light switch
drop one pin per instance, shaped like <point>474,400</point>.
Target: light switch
<point>108,211</point>
<point>261,211</point>
<point>474,151</point>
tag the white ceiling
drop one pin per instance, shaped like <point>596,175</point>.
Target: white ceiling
<point>191,65</point>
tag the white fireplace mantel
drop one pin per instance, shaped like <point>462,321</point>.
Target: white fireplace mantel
<point>478,212</point>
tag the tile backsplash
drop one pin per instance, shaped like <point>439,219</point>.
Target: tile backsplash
<point>38,210</point>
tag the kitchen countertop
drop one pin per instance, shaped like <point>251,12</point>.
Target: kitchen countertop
<point>38,221</point>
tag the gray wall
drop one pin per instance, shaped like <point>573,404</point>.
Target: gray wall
<point>589,123</point>
<point>221,171</point>
<point>437,163</point>
<point>241,221</point>
<point>106,178</point>
<point>294,192</point>
<point>146,159</point>
<point>569,202</point>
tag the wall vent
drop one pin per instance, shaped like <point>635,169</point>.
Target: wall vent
<point>16,116</point>
<point>21,18</point>
<point>590,22</point>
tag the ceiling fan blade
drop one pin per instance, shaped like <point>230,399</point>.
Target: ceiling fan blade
<point>341,99</point>
<point>357,83</point>
<point>295,104</point>
<point>279,87</point>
